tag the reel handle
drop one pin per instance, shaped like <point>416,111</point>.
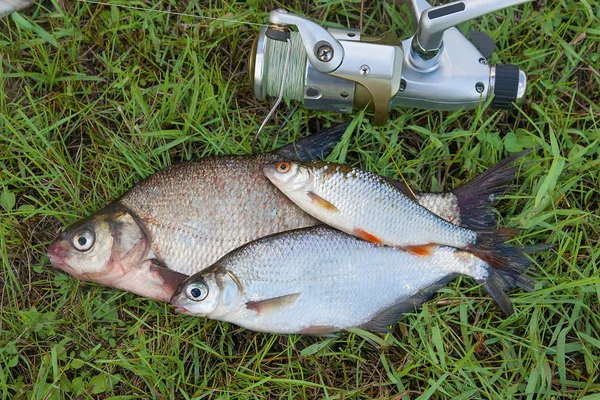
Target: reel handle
<point>434,21</point>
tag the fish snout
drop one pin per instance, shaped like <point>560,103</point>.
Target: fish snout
<point>57,252</point>
<point>270,171</point>
<point>178,308</point>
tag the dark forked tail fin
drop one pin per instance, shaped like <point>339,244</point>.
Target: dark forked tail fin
<point>510,273</point>
<point>475,197</point>
<point>314,147</point>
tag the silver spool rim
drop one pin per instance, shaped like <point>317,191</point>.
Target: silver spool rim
<point>260,66</point>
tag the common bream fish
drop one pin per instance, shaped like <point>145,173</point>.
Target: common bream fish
<point>184,218</point>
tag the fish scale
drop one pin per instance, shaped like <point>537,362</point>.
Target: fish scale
<point>373,205</point>
<point>188,230</point>
<point>341,281</point>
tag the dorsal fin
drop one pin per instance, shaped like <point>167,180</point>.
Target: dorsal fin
<point>473,200</point>
<point>314,147</point>
<point>401,186</point>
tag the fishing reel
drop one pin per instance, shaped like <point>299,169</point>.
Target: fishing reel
<point>341,70</point>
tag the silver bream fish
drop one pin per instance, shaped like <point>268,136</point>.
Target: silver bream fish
<point>319,280</point>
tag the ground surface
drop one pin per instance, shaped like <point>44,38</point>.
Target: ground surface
<point>94,98</point>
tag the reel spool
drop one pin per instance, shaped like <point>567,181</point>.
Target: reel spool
<point>355,84</point>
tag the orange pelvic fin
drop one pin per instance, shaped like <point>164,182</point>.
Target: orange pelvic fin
<point>421,250</point>
<point>362,234</point>
<point>321,202</point>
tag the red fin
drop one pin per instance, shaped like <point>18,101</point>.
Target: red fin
<point>366,236</point>
<point>319,330</point>
<point>422,250</point>
<point>322,202</point>
<point>264,306</point>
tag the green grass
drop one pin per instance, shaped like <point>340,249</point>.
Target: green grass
<point>92,99</point>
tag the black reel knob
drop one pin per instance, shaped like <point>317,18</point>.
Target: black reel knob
<point>509,86</point>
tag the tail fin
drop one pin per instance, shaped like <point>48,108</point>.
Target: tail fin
<point>314,147</point>
<point>502,278</point>
<point>475,197</point>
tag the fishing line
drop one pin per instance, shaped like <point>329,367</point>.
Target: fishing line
<point>387,148</point>
<point>173,13</point>
<point>275,67</point>
<point>283,82</point>
<point>274,55</point>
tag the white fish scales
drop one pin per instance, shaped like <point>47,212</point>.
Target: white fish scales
<point>319,280</point>
<point>368,206</point>
<point>365,205</point>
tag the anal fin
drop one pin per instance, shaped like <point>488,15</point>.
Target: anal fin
<point>382,320</point>
<point>319,330</point>
<point>420,250</point>
<point>273,304</point>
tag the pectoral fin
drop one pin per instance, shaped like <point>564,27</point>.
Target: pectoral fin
<point>270,305</point>
<point>321,202</point>
<point>170,279</point>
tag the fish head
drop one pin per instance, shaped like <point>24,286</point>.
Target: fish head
<point>213,293</point>
<point>289,176</point>
<point>103,248</point>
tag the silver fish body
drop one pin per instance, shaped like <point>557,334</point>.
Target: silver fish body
<point>364,204</point>
<point>319,280</point>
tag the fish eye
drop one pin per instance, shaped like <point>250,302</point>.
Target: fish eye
<point>83,240</point>
<point>283,167</point>
<point>197,291</point>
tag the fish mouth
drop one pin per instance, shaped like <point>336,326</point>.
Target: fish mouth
<point>181,310</point>
<point>269,171</point>
<point>178,308</point>
<point>56,255</point>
